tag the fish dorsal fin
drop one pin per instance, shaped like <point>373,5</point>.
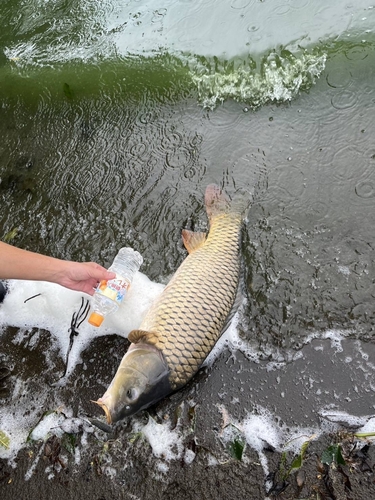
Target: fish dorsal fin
<point>136,336</point>
<point>192,241</point>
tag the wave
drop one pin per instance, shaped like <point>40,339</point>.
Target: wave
<point>276,76</point>
<point>279,78</point>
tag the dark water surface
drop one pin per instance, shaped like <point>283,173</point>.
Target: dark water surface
<point>106,141</point>
<point>83,175</point>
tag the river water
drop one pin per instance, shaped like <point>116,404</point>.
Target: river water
<point>116,115</point>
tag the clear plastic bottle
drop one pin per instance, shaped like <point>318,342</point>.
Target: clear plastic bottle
<point>109,294</point>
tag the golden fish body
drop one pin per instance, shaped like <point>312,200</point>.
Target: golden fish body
<point>186,320</point>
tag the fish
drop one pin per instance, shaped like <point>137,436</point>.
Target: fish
<point>184,323</point>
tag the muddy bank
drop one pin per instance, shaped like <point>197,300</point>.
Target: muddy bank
<point>194,444</point>
<point>192,457</point>
<point>125,469</point>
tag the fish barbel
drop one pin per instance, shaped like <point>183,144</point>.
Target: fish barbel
<point>186,320</point>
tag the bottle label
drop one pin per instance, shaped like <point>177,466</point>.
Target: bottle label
<point>113,289</point>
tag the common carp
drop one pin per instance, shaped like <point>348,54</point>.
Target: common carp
<point>186,320</point>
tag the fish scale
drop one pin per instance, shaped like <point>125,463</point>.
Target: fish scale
<point>189,316</point>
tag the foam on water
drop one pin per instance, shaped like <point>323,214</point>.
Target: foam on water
<point>47,305</point>
<point>16,424</point>
<point>279,78</point>
<point>51,421</point>
<point>231,340</point>
<point>350,421</point>
<point>259,430</point>
<point>165,442</point>
<point>57,424</point>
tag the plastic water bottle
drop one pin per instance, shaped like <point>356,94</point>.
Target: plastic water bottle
<point>109,294</point>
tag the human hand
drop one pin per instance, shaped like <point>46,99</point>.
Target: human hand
<point>16,263</point>
<point>82,277</point>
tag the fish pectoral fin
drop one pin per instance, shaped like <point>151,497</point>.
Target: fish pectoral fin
<point>192,241</point>
<point>136,336</point>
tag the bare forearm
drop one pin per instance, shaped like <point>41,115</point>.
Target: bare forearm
<point>16,263</point>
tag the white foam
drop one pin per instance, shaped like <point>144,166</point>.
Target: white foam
<point>279,79</point>
<point>231,340</point>
<point>189,457</point>
<point>228,339</point>
<point>162,467</point>
<point>16,422</point>
<point>165,442</point>
<point>344,418</point>
<point>262,429</point>
<point>53,306</point>
<point>31,469</point>
<point>50,422</point>
<point>368,427</point>
<point>52,309</point>
<point>109,471</point>
<point>344,270</point>
<point>336,336</point>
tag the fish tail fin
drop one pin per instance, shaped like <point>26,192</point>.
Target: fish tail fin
<point>218,202</point>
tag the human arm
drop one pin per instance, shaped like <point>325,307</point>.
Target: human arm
<point>16,263</point>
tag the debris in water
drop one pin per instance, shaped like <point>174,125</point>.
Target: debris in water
<point>4,440</point>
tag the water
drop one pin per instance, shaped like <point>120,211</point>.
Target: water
<point>114,118</point>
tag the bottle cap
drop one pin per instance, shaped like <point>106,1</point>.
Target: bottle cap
<point>95,319</point>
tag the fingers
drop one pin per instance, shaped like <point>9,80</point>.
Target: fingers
<point>100,273</point>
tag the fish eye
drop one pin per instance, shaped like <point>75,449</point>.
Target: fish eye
<point>131,394</point>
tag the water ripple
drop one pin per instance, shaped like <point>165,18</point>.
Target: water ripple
<point>343,161</point>
<point>344,99</point>
<point>84,173</point>
<point>241,4</point>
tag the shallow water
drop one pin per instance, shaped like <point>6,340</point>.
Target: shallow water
<point>114,118</point>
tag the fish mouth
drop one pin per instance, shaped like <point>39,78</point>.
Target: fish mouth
<point>114,413</point>
<point>141,380</point>
<point>105,408</point>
